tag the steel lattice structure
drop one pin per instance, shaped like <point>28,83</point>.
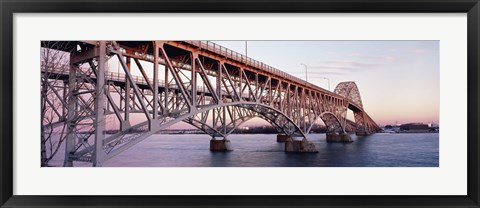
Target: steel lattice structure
<point>203,84</point>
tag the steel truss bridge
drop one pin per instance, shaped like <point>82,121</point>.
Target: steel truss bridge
<point>197,82</point>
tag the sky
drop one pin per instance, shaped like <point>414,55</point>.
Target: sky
<point>399,81</point>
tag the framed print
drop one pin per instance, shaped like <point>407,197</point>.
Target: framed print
<point>242,104</point>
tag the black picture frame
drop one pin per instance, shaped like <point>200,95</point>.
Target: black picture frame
<point>10,7</point>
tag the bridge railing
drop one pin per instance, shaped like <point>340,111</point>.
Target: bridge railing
<point>63,69</point>
<point>216,48</point>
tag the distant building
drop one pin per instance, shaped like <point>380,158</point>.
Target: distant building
<point>414,127</point>
<point>433,125</point>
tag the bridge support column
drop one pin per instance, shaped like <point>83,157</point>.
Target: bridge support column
<point>338,137</point>
<point>124,125</point>
<point>220,145</point>
<point>282,137</point>
<point>99,154</point>
<point>303,146</point>
<point>362,133</point>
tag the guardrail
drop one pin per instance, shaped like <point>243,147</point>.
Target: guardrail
<point>216,48</point>
<point>119,77</point>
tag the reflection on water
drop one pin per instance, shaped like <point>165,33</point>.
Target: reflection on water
<point>262,150</point>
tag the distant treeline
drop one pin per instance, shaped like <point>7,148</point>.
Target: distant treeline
<point>273,130</point>
<point>243,130</point>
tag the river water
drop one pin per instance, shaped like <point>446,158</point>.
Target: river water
<point>262,150</point>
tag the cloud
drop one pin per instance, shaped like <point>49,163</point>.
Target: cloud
<point>350,63</point>
<point>355,54</point>
<point>335,67</point>
<point>376,58</point>
<point>419,50</point>
<point>326,73</point>
<point>338,67</point>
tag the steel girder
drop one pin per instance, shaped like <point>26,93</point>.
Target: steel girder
<point>350,91</point>
<point>364,124</point>
<point>205,85</point>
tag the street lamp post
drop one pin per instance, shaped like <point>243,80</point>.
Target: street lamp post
<point>246,49</point>
<point>328,82</point>
<point>306,72</point>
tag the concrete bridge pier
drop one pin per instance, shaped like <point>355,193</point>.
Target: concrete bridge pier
<point>220,145</point>
<point>282,137</point>
<point>362,133</point>
<point>338,137</point>
<point>303,146</point>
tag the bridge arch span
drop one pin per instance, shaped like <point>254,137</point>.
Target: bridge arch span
<point>245,111</point>
<point>130,136</point>
<point>198,122</point>
<point>349,90</point>
<point>365,124</point>
<point>332,123</point>
<point>232,124</point>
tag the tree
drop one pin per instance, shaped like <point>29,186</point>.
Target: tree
<point>55,58</point>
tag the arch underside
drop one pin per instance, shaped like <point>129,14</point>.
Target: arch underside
<point>240,113</point>
<point>237,115</point>
<point>222,121</point>
<point>332,123</point>
<point>216,120</point>
<point>215,114</point>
